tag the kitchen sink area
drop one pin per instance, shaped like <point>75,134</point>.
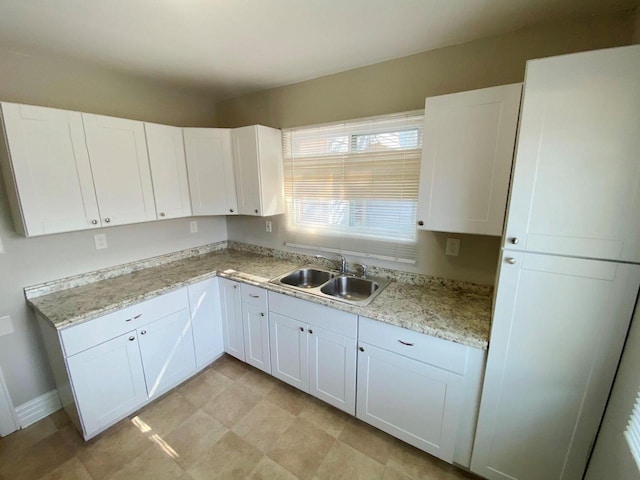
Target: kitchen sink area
<point>342,287</point>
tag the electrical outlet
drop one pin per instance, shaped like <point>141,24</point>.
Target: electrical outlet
<point>453,247</point>
<point>193,226</point>
<point>101,240</point>
<point>268,226</point>
<point>6,325</point>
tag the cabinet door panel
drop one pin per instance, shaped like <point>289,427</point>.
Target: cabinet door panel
<point>256,336</point>
<point>206,321</point>
<point>245,157</point>
<point>118,154</point>
<point>166,348</point>
<point>108,382</point>
<point>168,171</point>
<point>332,362</point>
<point>559,326</point>
<point>289,350</point>
<point>211,176</point>
<point>233,336</point>
<point>50,165</point>
<point>466,160</point>
<point>576,180</point>
<point>413,401</point>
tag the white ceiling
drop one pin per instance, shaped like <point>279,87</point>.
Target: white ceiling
<point>231,47</point>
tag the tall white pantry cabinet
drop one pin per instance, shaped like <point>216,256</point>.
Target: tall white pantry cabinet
<point>570,267</point>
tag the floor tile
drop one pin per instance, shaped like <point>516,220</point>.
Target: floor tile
<point>206,386</point>
<point>230,367</point>
<point>166,413</point>
<point>267,469</point>
<point>230,458</point>
<point>288,397</point>
<point>301,448</point>
<point>391,473</point>
<point>12,444</point>
<point>153,464</point>
<point>232,404</point>
<point>346,463</point>
<point>263,425</point>
<point>194,438</point>
<point>368,440</point>
<point>72,469</point>
<point>322,415</point>
<point>262,383</point>
<point>418,464</point>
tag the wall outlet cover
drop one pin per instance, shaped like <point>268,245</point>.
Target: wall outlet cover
<point>268,227</point>
<point>101,240</point>
<point>6,325</point>
<point>1,246</point>
<point>193,226</point>
<point>453,247</point>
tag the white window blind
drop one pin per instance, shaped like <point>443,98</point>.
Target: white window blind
<point>353,187</point>
<point>632,433</point>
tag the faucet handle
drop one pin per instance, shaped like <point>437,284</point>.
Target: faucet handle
<point>363,269</point>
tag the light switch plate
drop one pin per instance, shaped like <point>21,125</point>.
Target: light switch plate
<point>193,226</point>
<point>101,240</point>
<point>453,247</point>
<point>6,325</point>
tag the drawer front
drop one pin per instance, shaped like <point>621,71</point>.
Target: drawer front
<point>424,348</point>
<point>253,295</point>
<point>93,332</point>
<point>344,323</point>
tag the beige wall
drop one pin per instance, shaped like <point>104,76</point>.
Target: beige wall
<point>64,84</point>
<point>402,84</point>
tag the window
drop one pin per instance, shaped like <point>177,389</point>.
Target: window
<point>353,187</point>
<point>632,433</point>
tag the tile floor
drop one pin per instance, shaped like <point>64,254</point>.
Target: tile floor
<point>230,421</point>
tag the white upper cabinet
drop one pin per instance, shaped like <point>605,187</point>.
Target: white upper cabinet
<point>118,154</point>
<point>168,171</point>
<point>257,156</point>
<point>576,180</point>
<point>47,172</point>
<point>210,165</point>
<point>467,153</point>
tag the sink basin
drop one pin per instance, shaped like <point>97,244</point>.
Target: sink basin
<point>307,278</point>
<point>350,288</point>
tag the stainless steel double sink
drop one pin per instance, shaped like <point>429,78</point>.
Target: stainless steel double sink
<point>333,285</point>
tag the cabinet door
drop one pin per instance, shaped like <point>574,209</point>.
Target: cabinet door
<point>410,400</point>
<point>256,336</point>
<point>166,348</point>
<point>118,154</point>
<point>50,169</point>
<point>576,180</point>
<point>289,350</point>
<point>466,160</point>
<point>108,382</point>
<point>231,307</point>
<point>245,158</point>
<point>559,326</point>
<point>210,165</point>
<point>206,321</point>
<point>168,171</point>
<point>332,368</point>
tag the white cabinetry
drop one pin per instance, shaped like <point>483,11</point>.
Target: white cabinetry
<point>313,348</point>
<point>168,171</point>
<point>206,320</point>
<point>257,155</point>
<point>418,388</point>
<point>47,171</point>
<point>231,307</point>
<point>255,326</point>
<point>120,165</point>
<point>210,165</point>
<point>467,153</point>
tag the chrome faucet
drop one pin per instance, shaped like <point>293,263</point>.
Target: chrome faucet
<point>363,269</point>
<point>342,260</point>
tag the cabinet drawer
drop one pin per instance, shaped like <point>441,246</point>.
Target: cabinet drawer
<point>254,295</point>
<point>88,334</point>
<point>424,348</point>
<point>325,317</point>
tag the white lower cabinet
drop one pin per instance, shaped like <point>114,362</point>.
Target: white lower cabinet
<point>206,321</point>
<point>255,327</point>
<point>231,306</point>
<point>313,348</point>
<point>420,389</point>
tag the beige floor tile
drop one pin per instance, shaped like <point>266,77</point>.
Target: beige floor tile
<point>418,464</point>
<point>38,459</point>
<point>113,449</point>
<point>72,469</point>
<point>152,464</point>
<point>232,404</point>
<point>346,463</point>
<point>263,425</point>
<point>209,384</point>
<point>230,458</point>
<point>166,413</point>
<point>194,438</point>
<point>230,367</point>
<point>60,418</point>
<point>322,415</point>
<point>288,397</point>
<point>301,448</point>
<point>391,473</point>
<point>267,469</point>
<point>11,445</point>
<point>258,381</point>
<point>368,440</point>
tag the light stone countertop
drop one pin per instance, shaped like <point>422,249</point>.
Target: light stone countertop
<point>441,309</point>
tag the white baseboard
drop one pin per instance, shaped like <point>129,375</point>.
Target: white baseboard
<point>30,412</point>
